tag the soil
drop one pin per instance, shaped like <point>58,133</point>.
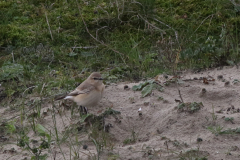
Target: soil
<point>162,131</point>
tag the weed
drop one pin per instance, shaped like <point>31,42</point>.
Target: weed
<point>216,129</point>
<point>33,148</point>
<point>160,98</point>
<point>10,71</point>
<point>147,87</point>
<point>10,127</point>
<point>132,138</point>
<point>214,117</point>
<point>190,107</point>
<point>193,154</point>
<point>231,131</point>
<point>230,119</point>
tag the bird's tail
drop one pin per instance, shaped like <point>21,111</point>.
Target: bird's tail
<point>68,97</point>
<point>60,96</point>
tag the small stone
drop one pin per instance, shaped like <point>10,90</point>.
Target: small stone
<point>204,90</point>
<point>12,150</point>
<point>45,114</point>
<point>108,126</point>
<point>166,76</point>
<point>220,76</point>
<point>199,139</point>
<point>126,87</point>
<point>2,138</point>
<point>178,101</point>
<point>146,103</point>
<point>234,148</point>
<point>34,141</point>
<point>85,146</point>
<point>227,83</point>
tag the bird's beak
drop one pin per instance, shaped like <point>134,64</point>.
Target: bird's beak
<point>99,78</point>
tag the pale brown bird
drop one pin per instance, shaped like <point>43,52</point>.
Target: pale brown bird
<point>89,92</point>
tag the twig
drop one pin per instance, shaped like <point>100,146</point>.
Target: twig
<point>42,88</point>
<point>28,89</point>
<point>86,47</point>
<point>48,24</point>
<point>118,10</point>
<point>13,57</point>
<point>151,24</point>
<point>179,92</point>
<point>201,24</point>
<point>176,33</point>
<point>98,30</point>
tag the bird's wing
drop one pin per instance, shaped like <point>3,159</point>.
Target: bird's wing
<point>82,90</point>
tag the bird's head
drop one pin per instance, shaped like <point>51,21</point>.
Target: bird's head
<point>95,78</point>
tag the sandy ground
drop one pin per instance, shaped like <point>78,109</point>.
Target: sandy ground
<point>162,131</point>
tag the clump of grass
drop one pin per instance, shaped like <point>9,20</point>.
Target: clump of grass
<point>147,87</point>
<point>216,129</point>
<point>194,154</point>
<point>229,119</point>
<point>35,148</point>
<point>132,139</point>
<point>189,107</point>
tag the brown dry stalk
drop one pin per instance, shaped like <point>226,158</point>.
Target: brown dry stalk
<point>48,23</point>
<point>179,92</point>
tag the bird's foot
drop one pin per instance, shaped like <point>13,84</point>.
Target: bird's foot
<point>83,110</point>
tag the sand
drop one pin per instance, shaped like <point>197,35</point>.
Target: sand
<point>162,131</point>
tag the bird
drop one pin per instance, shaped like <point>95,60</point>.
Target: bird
<point>89,92</point>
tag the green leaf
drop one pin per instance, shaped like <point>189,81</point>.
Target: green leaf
<point>235,81</point>
<point>10,127</point>
<point>230,62</point>
<point>87,54</point>
<point>84,117</point>
<point>141,85</point>
<point>43,157</point>
<point>72,54</point>
<point>147,90</point>
<point>112,77</point>
<point>40,129</point>
<point>135,88</point>
<point>158,87</point>
<point>238,130</point>
<point>150,82</point>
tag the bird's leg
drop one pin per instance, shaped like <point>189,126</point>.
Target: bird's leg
<point>85,110</point>
<point>103,120</point>
<point>80,109</point>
